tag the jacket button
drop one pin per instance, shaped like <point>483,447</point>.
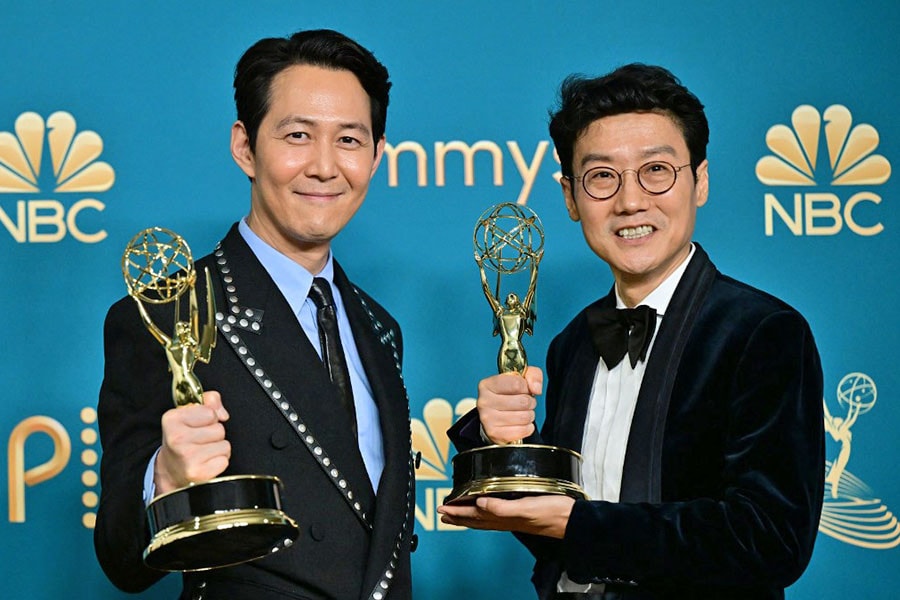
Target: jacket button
<point>316,532</point>
<point>279,440</point>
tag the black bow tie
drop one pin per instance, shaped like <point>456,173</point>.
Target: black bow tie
<point>619,330</point>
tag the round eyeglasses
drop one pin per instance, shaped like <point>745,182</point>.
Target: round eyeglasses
<point>655,177</point>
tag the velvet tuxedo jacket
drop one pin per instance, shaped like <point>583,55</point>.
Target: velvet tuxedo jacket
<point>723,477</point>
<point>343,552</point>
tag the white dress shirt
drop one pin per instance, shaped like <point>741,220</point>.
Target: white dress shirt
<point>613,399</point>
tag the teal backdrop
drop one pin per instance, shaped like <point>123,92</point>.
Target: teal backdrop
<point>802,101</point>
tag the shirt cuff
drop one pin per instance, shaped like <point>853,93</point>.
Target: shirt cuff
<point>149,485</point>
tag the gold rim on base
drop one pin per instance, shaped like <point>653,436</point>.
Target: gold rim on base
<point>218,522</point>
<point>516,485</point>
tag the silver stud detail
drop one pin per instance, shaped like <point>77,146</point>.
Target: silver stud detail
<point>250,319</point>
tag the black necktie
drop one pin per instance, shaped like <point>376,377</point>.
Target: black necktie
<point>330,343</point>
<point>619,330</point>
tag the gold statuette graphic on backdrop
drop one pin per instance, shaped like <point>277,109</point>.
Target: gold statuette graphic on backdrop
<point>226,520</point>
<point>509,239</point>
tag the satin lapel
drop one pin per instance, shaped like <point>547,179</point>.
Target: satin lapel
<point>379,350</point>
<point>641,475</point>
<point>575,390</point>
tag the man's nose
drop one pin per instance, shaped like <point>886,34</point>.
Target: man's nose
<point>323,164</point>
<point>631,197</point>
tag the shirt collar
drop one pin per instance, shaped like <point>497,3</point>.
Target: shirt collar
<point>292,279</point>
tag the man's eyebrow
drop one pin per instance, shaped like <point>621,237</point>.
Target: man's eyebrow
<point>661,149</point>
<point>645,153</point>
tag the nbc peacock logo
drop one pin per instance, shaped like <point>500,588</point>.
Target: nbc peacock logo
<point>431,445</point>
<point>795,162</point>
<point>75,170</point>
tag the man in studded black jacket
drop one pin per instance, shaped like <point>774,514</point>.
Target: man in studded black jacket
<point>309,136</point>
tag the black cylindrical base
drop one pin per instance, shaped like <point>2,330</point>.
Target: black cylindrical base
<point>514,471</point>
<point>221,522</point>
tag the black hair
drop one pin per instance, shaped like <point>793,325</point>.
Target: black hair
<point>633,88</point>
<point>321,48</point>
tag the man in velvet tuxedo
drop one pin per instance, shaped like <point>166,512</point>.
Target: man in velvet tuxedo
<point>311,113</point>
<point>702,443</point>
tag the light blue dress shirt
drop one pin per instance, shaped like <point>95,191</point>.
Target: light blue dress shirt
<point>294,282</point>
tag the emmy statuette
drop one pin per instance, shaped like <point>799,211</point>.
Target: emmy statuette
<point>226,520</point>
<point>509,239</point>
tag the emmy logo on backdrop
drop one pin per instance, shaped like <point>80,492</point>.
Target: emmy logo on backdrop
<point>509,239</point>
<point>851,512</point>
<point>226,520</point>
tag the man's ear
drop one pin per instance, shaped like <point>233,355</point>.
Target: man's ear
<point>569,196</point>
<point>701,186</point>
<point>379,152</point>
<point>241,151</point>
